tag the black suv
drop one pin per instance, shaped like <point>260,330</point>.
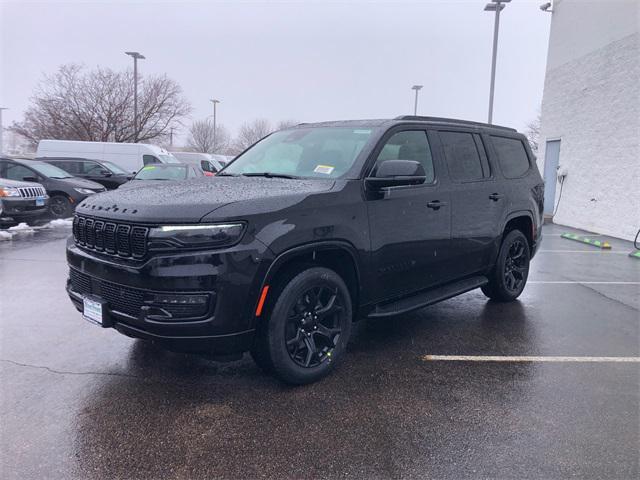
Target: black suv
<point>308,230</point>
<point>106,173</point>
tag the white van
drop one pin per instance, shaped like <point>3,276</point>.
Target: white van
<point>209,164</point>
<point>129,156</point>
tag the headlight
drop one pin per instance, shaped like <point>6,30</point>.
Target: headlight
<point>211,235</point>
<point>9,192</point>
<point>85,191</point>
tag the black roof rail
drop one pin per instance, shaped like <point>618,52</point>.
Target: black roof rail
<point>452,121</point>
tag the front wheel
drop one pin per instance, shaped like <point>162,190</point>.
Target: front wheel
<point>509,276</point>
<point>307,330</point>
<point>60,206</point>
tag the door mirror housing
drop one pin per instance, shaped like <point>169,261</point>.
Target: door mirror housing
<point>395,173</point>
<point>29,179</point>
<point>105,173</point>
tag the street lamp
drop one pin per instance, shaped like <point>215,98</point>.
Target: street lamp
<point>1,130</point>
<point>136,56</point>
<point>215,102</point>
<point>417,88</point>
<point>494,6</point>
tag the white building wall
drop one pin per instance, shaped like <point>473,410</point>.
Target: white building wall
<point>591,103</point>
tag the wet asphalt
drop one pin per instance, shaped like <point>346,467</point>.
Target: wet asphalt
<point>78,401</point>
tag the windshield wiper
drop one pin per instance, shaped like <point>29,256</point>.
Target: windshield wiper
<point>224,174</point>
<point>269,175</point>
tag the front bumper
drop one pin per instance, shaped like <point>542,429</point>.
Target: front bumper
<point>21,208</point>
<point>134,291</point>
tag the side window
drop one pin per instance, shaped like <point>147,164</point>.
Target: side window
<point>512,156</point>
<point>18,172</point>
<point>461,153</point>
<point>206,166</point>
<point>409,145</point>
<point>91,168</point>
<point>149,159</point>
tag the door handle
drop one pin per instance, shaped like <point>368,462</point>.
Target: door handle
<point>496,196</point>
<point>436,204</point>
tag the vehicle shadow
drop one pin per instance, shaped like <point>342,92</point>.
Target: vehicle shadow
<point>184,416</point>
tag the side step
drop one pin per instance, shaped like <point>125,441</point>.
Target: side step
<point>430,297</point>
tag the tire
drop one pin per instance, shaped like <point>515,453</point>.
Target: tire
<point>60,207</point>
<point>509,276</point>
<point>305,334</point>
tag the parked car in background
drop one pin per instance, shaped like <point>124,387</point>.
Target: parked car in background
<point>129,156</point>
<point>164,172</point>
<point>21,201</point>
<point>223,159</point>
<point>65,190</point>
<point>209,164</point>
<point>310,229</point>
<point>103,172</point>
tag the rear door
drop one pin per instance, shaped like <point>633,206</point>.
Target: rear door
<point>409,239</point>
<point>478,204</point>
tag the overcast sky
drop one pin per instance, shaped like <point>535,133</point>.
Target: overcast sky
<point>302,60</point>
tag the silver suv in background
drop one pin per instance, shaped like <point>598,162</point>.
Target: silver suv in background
<point>21,201</point>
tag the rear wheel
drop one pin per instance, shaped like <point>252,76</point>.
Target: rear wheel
<point>509,276</point>
<point>307,330</point>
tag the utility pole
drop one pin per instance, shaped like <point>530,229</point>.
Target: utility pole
<point>215,102</point>
<point>495,6</point>
<point>136,56</point>
<point>2,130</point>
<point>417,88</point>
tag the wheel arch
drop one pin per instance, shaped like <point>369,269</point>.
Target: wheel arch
<point>522,220</point>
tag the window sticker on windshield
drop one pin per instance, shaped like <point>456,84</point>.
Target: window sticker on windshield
<point>149,168</point>
<point>366,132</point>
<point>326,169</point>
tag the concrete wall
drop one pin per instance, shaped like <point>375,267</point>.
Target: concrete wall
<point>591,103</point>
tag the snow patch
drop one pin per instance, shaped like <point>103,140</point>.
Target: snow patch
<point>60,223</point>
<point>4,235</point>
<point>21,228</point>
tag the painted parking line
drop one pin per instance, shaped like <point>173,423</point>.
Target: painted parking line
<point>582,282</point>
<point>601,252</point>
<point>525,358</point>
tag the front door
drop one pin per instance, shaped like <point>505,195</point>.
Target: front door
<point>551,162</point>
<point>409,225</point>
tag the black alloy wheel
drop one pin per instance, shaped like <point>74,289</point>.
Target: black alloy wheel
<point>509,275</point>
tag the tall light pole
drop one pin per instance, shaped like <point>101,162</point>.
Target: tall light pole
<point>417,88</point>
<point>215,102</point>
<point>1,130</point>
<point>494,6</point>
<point>136,56</point>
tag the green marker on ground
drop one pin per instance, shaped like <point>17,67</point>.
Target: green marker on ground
<point>588,241</point>
<point>635,254</point>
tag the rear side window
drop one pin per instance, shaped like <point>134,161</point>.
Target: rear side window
<point>512,156</point>
<point>149,159</point>
<point>463,158</point>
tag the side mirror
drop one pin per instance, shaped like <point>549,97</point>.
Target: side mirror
<point>395,173</point>
<point>105,173</point>
<point>29,179</point>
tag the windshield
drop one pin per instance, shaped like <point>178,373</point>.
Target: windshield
<point>168,159</point>
<point>157,172</point>
<point>318,152</point>
<point>114,168</point>
<point>50,171</point>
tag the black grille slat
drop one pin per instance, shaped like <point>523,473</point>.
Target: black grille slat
<point>89,233</point>
<point>123,240</point>
<point>112,238</point>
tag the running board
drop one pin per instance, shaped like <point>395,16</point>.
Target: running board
<point>430,297</point>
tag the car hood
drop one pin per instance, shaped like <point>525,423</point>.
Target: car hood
<point>188,201</point>
<point>76,182</point>
<point>5,182</point>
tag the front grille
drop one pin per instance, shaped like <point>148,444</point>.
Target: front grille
<point>32,192</point>
<point>110,237</point>
<point>129,300</point>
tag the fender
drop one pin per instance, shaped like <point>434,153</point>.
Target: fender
<point>285,256</point>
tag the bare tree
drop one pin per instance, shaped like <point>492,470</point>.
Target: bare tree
<point>202,139</point>
<point>251,132</point>
<point>282,124</point>
<point>532,132</point>
<point>97,105</point>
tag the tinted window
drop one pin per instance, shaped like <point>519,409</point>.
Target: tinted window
<point>18,172</point>
<point>69,166</point>
<point>149,159</point>
<point>409,145</point>
<point>206,166</point>
<point>512,156</point>
<point>91,168</point>
<point>462,156</point>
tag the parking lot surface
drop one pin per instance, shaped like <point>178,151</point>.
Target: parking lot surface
<point>78,401</point>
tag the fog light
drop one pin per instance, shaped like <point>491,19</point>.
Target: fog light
<point>168,299</point>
